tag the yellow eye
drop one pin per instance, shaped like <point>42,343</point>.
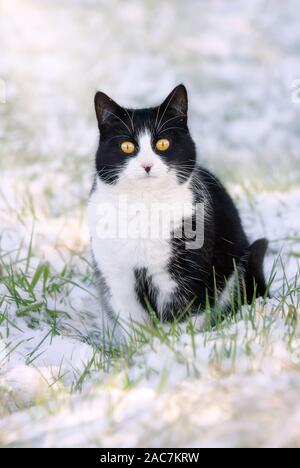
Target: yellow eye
<point>127,147</point>
<point>163,144</point>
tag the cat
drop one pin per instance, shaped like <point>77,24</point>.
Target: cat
<point>147,159</point>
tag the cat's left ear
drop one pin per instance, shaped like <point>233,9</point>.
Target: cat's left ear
<point>107,110</point>
<point>177,101</point>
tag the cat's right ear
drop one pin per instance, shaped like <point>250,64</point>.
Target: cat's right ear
<point>106,109</point>
<point>177,101</point>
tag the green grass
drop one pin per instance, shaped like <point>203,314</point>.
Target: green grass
<point>35,300</point>
<point>39,297</point>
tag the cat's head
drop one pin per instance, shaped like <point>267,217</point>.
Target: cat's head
<point>145,145</point>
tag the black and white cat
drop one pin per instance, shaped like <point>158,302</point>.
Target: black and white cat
<point>146,161</point>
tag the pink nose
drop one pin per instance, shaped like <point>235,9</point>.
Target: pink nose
<point>147,167</point>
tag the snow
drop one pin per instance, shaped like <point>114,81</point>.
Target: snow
<point>238,386</point>
<point>216,403</point>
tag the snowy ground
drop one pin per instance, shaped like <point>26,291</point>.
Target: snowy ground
<point>237,385</point>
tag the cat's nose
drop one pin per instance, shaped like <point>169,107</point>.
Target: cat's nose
<point>147,167</point>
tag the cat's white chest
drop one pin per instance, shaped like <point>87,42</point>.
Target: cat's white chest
<point>136,236</point>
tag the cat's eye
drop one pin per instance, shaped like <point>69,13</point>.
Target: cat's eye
<point>163,144</point>
<point>127,147</point>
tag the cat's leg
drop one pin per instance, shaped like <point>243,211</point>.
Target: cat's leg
<point>127,309</point>
<point>165,285</point>
<point>166,288</point>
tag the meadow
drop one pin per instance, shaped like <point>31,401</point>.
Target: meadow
<point>62,382</point>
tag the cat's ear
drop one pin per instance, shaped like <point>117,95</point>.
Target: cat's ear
<point>106,109</point>
<point>177,101</point>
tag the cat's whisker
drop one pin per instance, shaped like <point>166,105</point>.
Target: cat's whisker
<point>131,121</point>
<point>173,128</point>
<point>157,116</point>
<point>119,118</point>
<point>212,176</point>
<point>167,106</point>
<point>133,115</point>
<point>169,120</point>
<point>118,136</point>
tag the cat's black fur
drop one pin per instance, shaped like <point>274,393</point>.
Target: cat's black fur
<point>226,250</point>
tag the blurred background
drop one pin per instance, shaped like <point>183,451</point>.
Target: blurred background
<point>238,59</point>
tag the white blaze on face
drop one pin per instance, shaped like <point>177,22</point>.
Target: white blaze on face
<point>146,157</point>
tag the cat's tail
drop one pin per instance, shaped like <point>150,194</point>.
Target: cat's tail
<point>246,283</point>
<point>254,270</point>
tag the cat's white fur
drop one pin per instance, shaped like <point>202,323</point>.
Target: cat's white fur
<point>117,258</point>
